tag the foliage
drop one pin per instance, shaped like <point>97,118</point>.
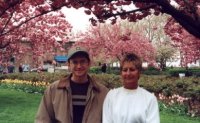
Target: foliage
<point>184,12</point>
<point>156,34</point>
<point>113,70</point>
<point>157,84</point>
<point>172,72</point>
<point>188,45</point>
<point>175,72</point>
<point>151,71</point>
<point>149,27</point>
<point>188,72</point>
<point>15,14</point>
<point>113,41</point>
<point>175,108</point>
<point>27,26</point>
<point>165,52</point>
<point>37,37</point>
<point>34,77</point>
<point>110,70</point>
<point>95,70</point>
<point>167,86</point>
<point>26,86</point>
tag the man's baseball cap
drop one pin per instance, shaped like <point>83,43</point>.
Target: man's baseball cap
<point>77,49</point>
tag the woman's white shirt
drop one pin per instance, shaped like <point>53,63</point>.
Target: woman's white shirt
<point>130,106</point>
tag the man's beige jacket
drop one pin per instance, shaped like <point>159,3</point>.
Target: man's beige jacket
<point>56,104</point>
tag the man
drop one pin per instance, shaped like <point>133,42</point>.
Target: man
<point>26,68</point>
<point>11,68</point>
<point>76,98</point>
<point>103,68</point>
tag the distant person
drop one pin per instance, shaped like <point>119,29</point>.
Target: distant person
<point>5,68</point>
<point>11,68</point>
<point>103,68</point>
<point>76,98</point>
<point>25,68</point>
<point>1,68</point>
<point>20,68</point>
<point>130,103</point>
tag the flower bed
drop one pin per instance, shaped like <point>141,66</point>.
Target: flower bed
<point>23,85</point>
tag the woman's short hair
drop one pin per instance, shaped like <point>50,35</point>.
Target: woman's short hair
<point>131,57</point>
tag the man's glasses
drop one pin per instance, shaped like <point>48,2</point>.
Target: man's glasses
<point>81,62</point>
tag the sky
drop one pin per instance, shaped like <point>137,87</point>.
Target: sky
<point>80,21</point>
<point>77,18</point>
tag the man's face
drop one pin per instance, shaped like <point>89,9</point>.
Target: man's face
<point>79,66</point>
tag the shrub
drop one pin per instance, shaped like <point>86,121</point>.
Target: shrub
<point>188,72</point>
<point>109,80</point>
<point>187,87</point>
<point>113,70</point>
<point>43,76</point>
<point>175,73</point>
<point>95,70</point>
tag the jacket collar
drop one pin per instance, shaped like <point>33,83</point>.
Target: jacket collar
<point>64,83</point>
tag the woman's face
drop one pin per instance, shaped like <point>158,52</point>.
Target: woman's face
<point>130,75</point>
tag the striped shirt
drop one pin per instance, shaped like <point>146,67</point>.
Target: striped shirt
<point>79,94</point>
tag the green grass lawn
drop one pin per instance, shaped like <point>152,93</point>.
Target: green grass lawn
<point>20,107</point>
<point>173,118</point>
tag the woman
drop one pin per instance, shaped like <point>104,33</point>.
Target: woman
<point>130,103</point>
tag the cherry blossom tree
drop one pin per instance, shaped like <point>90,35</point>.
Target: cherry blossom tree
<point>37,37</point>
<point>152,28</point>
<point>16,13</point>
<point>159,30</point>
<point>188,45</point>
<point>113,41</point>
<point>185,12</point>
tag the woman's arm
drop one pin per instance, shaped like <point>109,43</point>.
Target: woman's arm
<point>153,111</point>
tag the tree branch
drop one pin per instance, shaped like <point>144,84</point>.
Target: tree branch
<point>7,23</point>
<point>2,46</point>
<point>11,6</point>
<point>128,12</point>
<point>19,25</point>
<point>191,25</point>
